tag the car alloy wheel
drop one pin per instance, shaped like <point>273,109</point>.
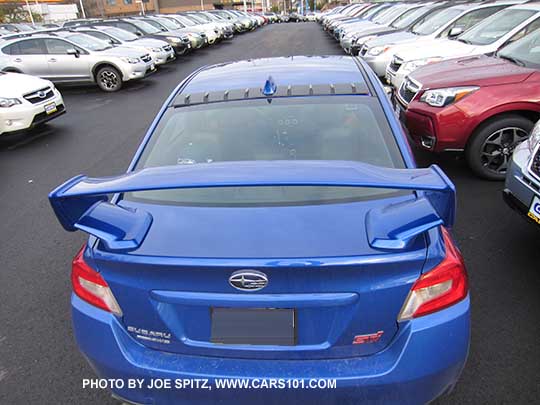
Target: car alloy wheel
<point>489,150</point>
<point>499,146</point>
<point>109,79</point>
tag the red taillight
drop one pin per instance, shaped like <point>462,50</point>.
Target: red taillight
<point>440,288</point>
<point>91,287</point>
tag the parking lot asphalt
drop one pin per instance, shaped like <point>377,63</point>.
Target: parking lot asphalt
<point>39,361</point>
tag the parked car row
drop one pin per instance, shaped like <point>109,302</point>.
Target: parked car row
<point>107,52</point>
<point>464,75</point>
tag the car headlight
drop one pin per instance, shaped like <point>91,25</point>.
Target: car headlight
<point>444,97</point>
<point>534,138</point>
<point>174,39</point>
<point>378,50</point>
<point>8,102</point>
<point>155,49</point>
<point>131,60</point>
<point>411,66</point>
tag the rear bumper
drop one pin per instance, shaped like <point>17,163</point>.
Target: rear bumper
<point>424,361</point>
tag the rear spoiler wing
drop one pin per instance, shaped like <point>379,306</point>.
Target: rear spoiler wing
<point>82,203</point>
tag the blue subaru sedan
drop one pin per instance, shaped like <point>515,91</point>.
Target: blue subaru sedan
<point>272,241</point>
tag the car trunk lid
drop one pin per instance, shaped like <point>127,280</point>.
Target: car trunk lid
<point>335,272</point>
<point>317,261</point>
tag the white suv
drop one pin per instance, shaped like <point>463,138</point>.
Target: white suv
<point>27,101</point>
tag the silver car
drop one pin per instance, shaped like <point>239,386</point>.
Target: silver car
<point>160,51</point>
<point>66,57</point>
<point>522,189</point>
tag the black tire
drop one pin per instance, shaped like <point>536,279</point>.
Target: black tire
<point>11,70</point>
<point>109,79</point>
<point>490,148</point>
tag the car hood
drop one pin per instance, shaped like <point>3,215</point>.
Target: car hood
<point>471,71</point>
<point>393,39</point>
<point>122,52</point>
<point>429,48</point>
<point>15,84</point>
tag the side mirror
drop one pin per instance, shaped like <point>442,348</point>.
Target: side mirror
<point>454,32</point>
<point>138,33</point>
<point>74,52</point>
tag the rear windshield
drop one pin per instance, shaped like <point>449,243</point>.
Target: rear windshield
<point>351,128</point>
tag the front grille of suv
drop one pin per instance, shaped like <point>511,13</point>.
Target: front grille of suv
<point>408,90</point>
<point>39,96</point>
<point>395,64</point>
<point>167,48</point>
<point>146,58</point>
<point>535,164</point>
<point>363,51</point>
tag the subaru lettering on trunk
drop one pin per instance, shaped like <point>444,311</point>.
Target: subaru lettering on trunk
<point>299,243</point>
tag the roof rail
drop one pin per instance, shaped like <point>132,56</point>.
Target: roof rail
<point>29,34</point>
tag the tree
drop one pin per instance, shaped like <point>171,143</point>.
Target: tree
<point>16,13</point>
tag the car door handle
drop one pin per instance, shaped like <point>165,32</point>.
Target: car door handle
<point>52,60</point>
<point>18,60</point>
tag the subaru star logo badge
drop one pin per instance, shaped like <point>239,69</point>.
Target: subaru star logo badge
<point>41,94</point>
<point>248,280</point>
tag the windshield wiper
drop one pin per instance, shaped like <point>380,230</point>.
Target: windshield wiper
<point>513,60</point>
<point>465,41</point>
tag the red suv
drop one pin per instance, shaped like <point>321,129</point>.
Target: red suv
<point>481,105</point>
